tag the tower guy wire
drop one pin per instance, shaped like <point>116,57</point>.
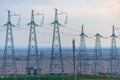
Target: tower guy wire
<point>56,70</point>
<point>9,62</point>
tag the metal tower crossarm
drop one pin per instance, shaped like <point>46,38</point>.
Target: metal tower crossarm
<point>32,19</point>
<point>82,32</point>
<point>9,20</point>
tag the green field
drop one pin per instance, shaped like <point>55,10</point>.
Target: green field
<point>67,78</point>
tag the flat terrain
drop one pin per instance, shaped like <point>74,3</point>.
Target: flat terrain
<point>69,78</point>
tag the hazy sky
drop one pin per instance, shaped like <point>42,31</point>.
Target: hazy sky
<point>98,16</point>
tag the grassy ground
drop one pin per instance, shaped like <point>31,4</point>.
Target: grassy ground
<point>83,78</point>
<point>67,78</point>
<point>98,79</point>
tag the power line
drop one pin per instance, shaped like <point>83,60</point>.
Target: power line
<point>71,29</point>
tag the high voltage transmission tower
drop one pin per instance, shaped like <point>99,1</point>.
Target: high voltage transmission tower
<point>97,56</point>
<point>56,70</point>
<point>113,62</point>
<point>9,62</point>
<point>33,69</point>
<point>82,55</point>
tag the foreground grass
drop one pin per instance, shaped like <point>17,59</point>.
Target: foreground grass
<point>97,78</point>
<point>66,78</point>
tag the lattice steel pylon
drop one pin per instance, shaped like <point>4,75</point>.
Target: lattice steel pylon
<point>113,57</point>
<point>9,62</point>
<point>32,64</point>
<point>56,70</point>
<point>82,64</point>
<point>97,56</point>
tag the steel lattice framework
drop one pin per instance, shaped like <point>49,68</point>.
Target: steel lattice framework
<point>82,55</point>
<point>97,63</point>
<point>56,65</point>
<point>113,62</point>
<point>32,64</point>
<point>9,63</point>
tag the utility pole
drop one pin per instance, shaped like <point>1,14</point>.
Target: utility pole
<point>9,62</point>
<point>82,55</point>
<point>97,56</point>
<point>113,64</point>
<point>41,57</point>
<point>32,64</point>
<point>73,43</point>
<point>56,70</point>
